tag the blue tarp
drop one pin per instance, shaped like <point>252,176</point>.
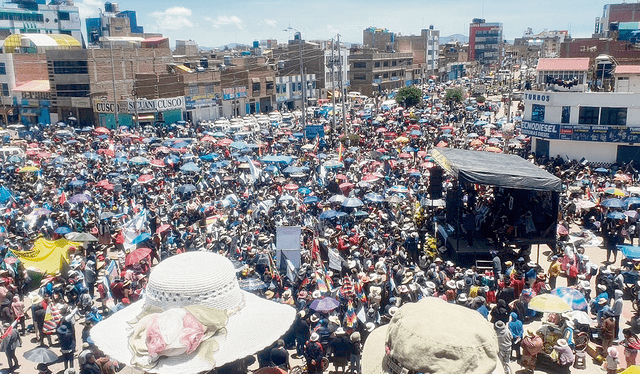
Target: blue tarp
<point>630,251</point>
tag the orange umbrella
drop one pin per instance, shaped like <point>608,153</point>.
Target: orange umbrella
<point>476,143</point>
<point>493,149</point>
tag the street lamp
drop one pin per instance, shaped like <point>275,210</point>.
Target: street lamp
<point>303,81</point>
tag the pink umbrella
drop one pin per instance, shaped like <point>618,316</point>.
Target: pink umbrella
<point>158,163</point>
<point>291,187</point>
<point>145,178</point>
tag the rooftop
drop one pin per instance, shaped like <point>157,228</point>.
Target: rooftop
<point>627,69</point>
<point>563,64</point>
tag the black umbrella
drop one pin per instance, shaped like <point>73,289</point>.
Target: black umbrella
<point>40,355</point>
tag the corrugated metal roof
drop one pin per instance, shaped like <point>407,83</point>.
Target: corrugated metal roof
<point>563,64</point>
<point>34,86</point>
<point>627,69</point>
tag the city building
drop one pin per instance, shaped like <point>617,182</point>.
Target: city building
<point>425,48</point>
<point>379,39</point>
<point>371,71</point>
<point>93,85</point>
<point>624,52</point>
<point>627,78</point>
<point>332,67</point>
<point>562,74</point>
<point>314,64</point>
<point>485,43</point>
<point>36,16</point>
<point>601,127</point>
<point>248,86</point>
<point>111,22</point>
<point>613,15</point>
<point>548,42</point>
<point>289,90</point>
<point>186,47</point>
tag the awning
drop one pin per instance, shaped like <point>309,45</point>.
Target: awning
<point>269,79</point>
<point>34,86</point>
<point>184,68</point>
<point>255,80</point>
<point>494,169</point>
<point>146,118</point>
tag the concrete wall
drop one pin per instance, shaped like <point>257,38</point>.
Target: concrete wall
<point>595,151</point>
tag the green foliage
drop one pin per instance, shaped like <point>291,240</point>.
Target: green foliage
<point>480,99</point>
<point>455,95</point>
<point>354,139</point>
<point>410,96</point>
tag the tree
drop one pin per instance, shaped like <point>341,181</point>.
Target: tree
<point>454,94</point>
<point>409,96</point>
<point>480,99</point>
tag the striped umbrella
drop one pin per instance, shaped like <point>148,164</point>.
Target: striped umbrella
<point>572,296</point>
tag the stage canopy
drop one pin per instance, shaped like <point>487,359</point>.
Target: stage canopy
<point>495,169</point>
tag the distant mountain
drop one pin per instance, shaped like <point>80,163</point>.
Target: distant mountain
<point>455,37</point>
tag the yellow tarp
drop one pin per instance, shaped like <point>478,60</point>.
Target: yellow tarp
<point>633,369</point>
<point>47,255</point>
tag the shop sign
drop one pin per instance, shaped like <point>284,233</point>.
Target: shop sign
<point>155,105</point>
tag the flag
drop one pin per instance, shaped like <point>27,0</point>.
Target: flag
<point>315,250</point>
<point>340,150</point>
<point>9,329</point>
<point>63,198</point>
<point>255,172</point>
<point>350,317</point>
<point>360,292</point>
<point>322,285</point>
<point>315,147</point>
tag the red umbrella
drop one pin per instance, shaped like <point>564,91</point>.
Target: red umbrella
<point>381,150</point>
<point>446,128</point>
<point>422,154</point>
<point>208,138</point>
<point>442,144</point>
<point>102,183</point>
<point>381,129</point>
<point>346,186</point>
<point>341,176</point>
<point>145,178</point>
<point>493,149</point>
<point>164,227</point>
<point>562,230</point>
<point>102,130</point>
<point>163,149</point>
<point>224,142</point>
<point>105,151</point>
<point>404,155</point>
<point>427,165</point>
<point>137,255</point>
<point>158,163</point>
<point>291,187</point>
<point>10,260</point>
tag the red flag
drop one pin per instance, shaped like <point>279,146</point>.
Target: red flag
<point>340,149</point>
<point>315,251</point>
<point>63,198</point>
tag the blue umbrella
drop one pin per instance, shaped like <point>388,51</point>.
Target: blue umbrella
<point>328,214</point>
<point>15,158</point>
<point>238,145</point>
<point>171,159</point>
<point>304,190</point>
<point>140,238</point>
<point>91,156</point>
<point>77,183</point>
<point>616,215</point>
<point>324,305</point>
<point>416,132</point>
<point>352,202</point>
<point>374,197</point>
<point>62,230</point>
<point>79,198</point>
<point>120,160</point>
<point>572,296</point>
<point>612,203</point>
<point>178,145</point>
<point>251,284</point>
<point>311,199</point>
<point>602,170</point>
<point>630,251</point>
<point>333,164</point>
<point>139,160</point>
<point>284,198</point>
<point>186,188</point>
<point>190,167</point>
<point>632,201</point>
<point>210,157</point>
<point>400,189</point>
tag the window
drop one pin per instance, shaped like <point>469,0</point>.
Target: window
<point>359,77</point>
<point>3,69</point>
<point>208,89</point>
<point>613,116</point>
<point>70,67</point>
<point>385,75</point>
<point>5,89</point>
<point>377,64</point>
<point>193,90</point>
<point>359,65</point>
<point>63,16</point>
<point>255,87</point>
<point>299,86</point>
<point>588,115</point>
<point>72,90</point>
<point>566,114</point>
<point>393,63</point>
<point>537,113</point>
<point>269,85</point>
<point>385,64</point>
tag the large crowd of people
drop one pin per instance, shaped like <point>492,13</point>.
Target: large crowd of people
<point>367,241</point>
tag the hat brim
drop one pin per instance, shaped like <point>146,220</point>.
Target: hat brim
<point>257,325</point>
<point>373,353</point>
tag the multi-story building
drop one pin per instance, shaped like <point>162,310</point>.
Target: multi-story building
<point>371,71</point>
<point>602,127</point>
<point>379,39</point>
<point>111,22</point>
<point>485,43</point>
<point>95,84</point>
<point>549,42</point>
<point>334,61</point>
<point>613,15</point>
<point>36,16</point>
<point>425,48</point>
<point>289,90</point>
<point>248,86</point>
<point>314,64</point>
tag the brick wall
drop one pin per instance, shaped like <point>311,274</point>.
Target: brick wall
<point>30,66</point>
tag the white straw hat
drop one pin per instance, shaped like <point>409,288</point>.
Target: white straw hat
<point>453,340</point>
<point>200,285</point>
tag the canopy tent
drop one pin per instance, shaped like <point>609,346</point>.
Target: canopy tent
<point>495,169</point>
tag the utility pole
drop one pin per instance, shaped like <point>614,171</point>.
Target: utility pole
<point>333,86</point>
<point>115,96</point>
<point>342,90</point>
<point>135,95</point>
<point>303,79</point>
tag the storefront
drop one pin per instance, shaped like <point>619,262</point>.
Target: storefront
<point>140,112</point>
<point>34,102</point>
<point>206,107</point>
<point>234,101</point>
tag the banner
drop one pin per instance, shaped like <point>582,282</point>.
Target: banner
<point>47,255</point>
<point>335,261</point>
<point>155,105</point>
<point>288,237</point>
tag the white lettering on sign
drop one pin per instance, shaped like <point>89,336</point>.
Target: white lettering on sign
<point>540,129</point>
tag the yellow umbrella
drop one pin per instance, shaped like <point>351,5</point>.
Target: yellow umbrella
<point>548,303</point>
<point>402,139</point>
<point>633,369</point>
<point>29,169</point>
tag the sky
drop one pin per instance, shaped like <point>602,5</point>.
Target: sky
<point>214,23</point>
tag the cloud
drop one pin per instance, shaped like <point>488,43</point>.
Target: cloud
<point>174,18</point>
<point>221,21</point>
<point>332,30</point>
<point>269,22</point>
<point>89,8</point>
